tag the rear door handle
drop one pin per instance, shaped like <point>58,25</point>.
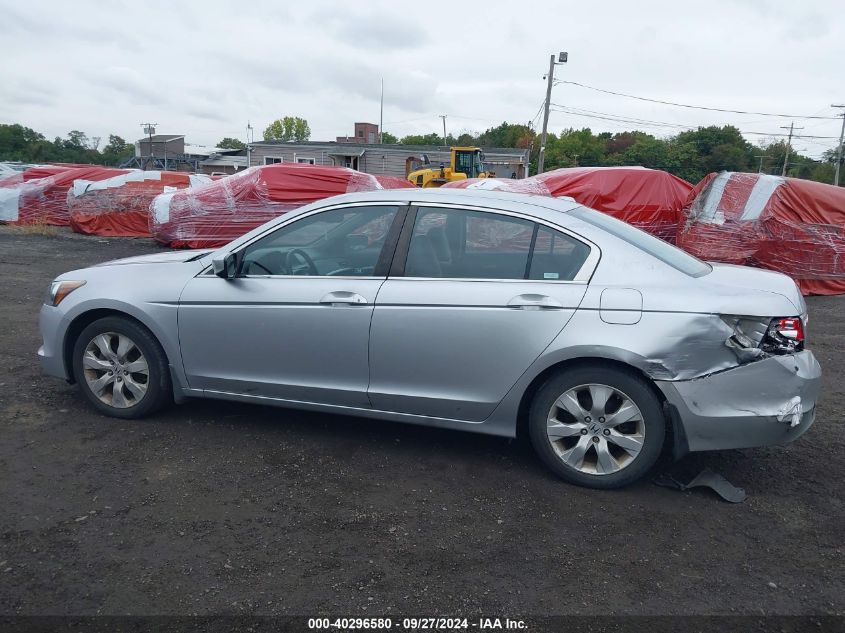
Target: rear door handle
<point>534,302</point>
<point>342,297</point>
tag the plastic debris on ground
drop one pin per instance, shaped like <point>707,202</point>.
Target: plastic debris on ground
<point>649,199</point>
<point>120,206</point>
<point>44,200</point>
<point>215,214</point>
<point>793,226</point>
<point>705,479</point>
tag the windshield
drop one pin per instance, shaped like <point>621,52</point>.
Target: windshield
<point>469,163</point>
<point>479,163</point>
<point>665,252</point>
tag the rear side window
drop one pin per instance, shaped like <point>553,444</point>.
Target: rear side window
<point>665,252</point>
<point>556,256</point>
<point>463,244</point>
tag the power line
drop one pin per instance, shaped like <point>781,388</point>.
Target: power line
<point>685,105</point>
<point>592,114</point>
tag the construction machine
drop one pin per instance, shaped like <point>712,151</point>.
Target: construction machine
<point>465,162</point>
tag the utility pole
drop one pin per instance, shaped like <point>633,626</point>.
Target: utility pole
<point>562,57</point>
<point>839,149</point>
<point>381,115</point>
<point>761,157</point>
<point>445,142</point>
<point>150,129</point>
<point>788,146</point>
<point>551,77</point>
<point>250,137</point>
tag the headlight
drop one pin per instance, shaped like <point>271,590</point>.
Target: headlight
<point>61,289</point>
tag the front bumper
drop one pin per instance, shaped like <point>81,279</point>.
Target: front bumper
<point>51,322</point>
<point>770,401</point>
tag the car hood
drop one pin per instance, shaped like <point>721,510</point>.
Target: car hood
<point>166,257</point>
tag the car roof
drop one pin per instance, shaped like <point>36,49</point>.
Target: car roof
<point>505,200</point>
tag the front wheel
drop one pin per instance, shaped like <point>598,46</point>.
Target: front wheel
<point>121,368</point>
<point>599,427</point>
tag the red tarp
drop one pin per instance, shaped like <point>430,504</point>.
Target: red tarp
<point>215,214</point>
<point>646,198</point>
<point>34,173</point>
<point>649,199</point>
<point>120,206</point>
<point>394,182</point>
<point>44,200</point>
<point>794,226</point>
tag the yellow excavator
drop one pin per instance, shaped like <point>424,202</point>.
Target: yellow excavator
<point>466,162</point>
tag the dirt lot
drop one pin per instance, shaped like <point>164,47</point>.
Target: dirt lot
<point>226,508</point>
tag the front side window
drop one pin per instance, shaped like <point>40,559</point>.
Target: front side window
<point>341,242</point>
<point>463,244</point>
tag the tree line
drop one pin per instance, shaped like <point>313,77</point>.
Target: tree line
<point>19,143</point>
<point>691,155</point>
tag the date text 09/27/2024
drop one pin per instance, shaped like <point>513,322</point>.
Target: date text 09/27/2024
<point>415,624</point>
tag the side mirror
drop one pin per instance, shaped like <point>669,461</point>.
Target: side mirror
<point>225,267</point>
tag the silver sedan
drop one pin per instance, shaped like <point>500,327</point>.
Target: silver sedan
<point>481,311</point>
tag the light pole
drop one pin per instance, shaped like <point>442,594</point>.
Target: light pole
<point>149,128</point>
<point>563,57</point>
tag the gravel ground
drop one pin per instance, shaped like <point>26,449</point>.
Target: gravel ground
<point>219,508</point>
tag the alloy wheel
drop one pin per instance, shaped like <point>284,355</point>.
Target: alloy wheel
<point>115,370</point>
<point>595,429</point>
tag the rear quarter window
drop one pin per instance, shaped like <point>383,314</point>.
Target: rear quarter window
<point>665,252</point>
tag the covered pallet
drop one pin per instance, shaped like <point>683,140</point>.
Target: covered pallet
<point>215,214</point>
<point>44,200</point>
<point>649,199</point>
<point>525,185</point>
<point>646,198</point>
<point>120,206</point>
<point>33,173</point>
<point>394,182</point>
<point>794,226</point>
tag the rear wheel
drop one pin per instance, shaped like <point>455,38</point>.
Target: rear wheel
<point>121,368</point>
<point>599,427</point>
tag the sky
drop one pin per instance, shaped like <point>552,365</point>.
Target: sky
<point>207,68</point>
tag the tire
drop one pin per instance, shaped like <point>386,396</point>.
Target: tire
<point>140,380</point>
<point>576,449</point>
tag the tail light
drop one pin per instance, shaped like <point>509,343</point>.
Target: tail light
<point>791,328</point>
<point>784,336</point>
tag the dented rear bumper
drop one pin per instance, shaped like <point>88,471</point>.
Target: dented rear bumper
<point>765,402</point>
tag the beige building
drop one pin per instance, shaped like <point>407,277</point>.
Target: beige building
<point>391,160</point>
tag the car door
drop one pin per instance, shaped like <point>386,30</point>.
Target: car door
<point>294,322</point>
<point>474,296</point>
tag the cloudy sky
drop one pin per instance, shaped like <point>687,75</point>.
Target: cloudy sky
<point>206,68</point>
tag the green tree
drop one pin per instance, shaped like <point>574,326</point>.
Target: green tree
<point>116,150</point>
<point>22,143</point>
<point>288,128</point>
<point>646,151</point>
<point>506,135</point>
<point>231,143</point>
<point>388,138</point>
<point>423,139</point>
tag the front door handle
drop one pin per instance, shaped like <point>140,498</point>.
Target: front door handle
<point>342,297</point>
<point>534,302</point>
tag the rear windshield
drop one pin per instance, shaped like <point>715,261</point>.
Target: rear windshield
<point>665,252</point>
